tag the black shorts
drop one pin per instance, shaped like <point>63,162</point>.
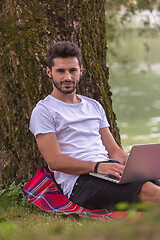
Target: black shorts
<point>95,193</point>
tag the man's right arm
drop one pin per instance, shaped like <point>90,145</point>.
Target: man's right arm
<point>49,147</point>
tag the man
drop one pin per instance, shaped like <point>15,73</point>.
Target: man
<point>73,135</point>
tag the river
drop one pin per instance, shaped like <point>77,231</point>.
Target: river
<point>135,84</point>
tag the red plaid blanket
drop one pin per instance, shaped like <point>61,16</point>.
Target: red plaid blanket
<point>43,192</point>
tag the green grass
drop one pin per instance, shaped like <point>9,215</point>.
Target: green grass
<point>25,223</point>
<point>20,220</point>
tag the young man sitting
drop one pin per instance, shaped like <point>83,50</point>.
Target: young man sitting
<point>73,135</point>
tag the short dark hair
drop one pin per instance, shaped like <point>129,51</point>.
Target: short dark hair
<point>63,49</point>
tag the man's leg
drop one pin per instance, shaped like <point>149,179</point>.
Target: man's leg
<point>150,193</point>
<point>95,193</point>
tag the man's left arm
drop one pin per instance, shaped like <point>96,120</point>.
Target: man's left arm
<point>114,151</point>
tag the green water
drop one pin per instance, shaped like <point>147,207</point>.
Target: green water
<point>135,83</point>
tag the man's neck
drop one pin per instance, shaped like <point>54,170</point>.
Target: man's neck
<point>71,98</point>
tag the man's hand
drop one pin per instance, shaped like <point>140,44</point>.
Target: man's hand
<point>115,169</point>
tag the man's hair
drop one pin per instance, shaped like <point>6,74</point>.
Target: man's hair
<point>63,49</point>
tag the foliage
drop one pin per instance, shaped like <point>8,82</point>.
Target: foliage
<point>128,8</point>
<point>12,195</point>
<point>119,14</point>
<point>133,5</point>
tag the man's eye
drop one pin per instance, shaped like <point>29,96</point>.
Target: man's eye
<point>60,70</point>
<point>73,70</point>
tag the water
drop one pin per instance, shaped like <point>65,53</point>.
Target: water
<point>135,83</point>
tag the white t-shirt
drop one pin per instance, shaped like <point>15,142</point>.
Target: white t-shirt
<point>77,130</point>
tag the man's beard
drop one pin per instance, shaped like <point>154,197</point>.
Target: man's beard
<point>59,86</point>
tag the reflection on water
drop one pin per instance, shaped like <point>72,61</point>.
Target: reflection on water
<point>153,121</point>
<point>156,104</point>
<point>147,137</point>
<point>155,68</point>
<point>141,67</point>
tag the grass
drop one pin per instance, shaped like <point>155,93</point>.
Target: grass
<point>20,220</point>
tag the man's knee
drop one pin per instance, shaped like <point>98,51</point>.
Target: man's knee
<point>150,193</point>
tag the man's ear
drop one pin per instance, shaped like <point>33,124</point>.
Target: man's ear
<point>48,71</point>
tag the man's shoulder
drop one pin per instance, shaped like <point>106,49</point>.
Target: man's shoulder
<point>90,100</point>
<point>42,105</point>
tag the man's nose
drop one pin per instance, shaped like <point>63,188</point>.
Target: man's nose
<point>68,75</point>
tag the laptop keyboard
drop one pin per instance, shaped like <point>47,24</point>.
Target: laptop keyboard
<point>112,177</point>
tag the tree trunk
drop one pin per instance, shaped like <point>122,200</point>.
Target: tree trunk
<point>27,29</point>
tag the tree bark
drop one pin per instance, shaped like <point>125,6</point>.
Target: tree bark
<point>27,29</point>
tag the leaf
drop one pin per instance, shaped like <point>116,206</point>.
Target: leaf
<point>2,220</point>
<point>2,192</point>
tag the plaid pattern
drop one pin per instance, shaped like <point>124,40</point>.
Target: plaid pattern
<point>43,192</point>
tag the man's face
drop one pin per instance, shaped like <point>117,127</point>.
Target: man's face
<point>65,74</point>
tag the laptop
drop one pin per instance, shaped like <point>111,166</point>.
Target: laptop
<point>143,164</point>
